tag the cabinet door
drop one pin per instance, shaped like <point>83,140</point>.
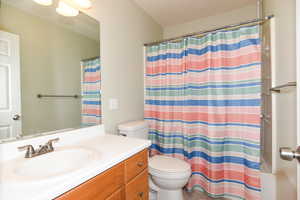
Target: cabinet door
<point>99,187</point>
<point>136,164</point>
<point>138,189</point>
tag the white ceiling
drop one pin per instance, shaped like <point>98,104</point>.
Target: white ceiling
<point>82,24</point>
<point>173,12</point>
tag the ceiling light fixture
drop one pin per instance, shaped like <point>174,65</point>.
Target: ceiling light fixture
<point>44,2</point>
<point>85,4</point>
<point>66,10</point>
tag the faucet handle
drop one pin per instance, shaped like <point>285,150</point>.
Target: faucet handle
<point>54,140</point>
<point>29,150</point>
<point>49,144</point>
<point>26,147</point>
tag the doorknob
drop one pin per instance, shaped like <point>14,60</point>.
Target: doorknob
<point>288,154</point>
<point>16,117</point>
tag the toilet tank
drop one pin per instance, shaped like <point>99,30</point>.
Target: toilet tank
<point>135,129</point>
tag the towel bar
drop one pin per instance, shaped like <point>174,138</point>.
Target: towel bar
<point>279,87</point>
<point>57,96</point>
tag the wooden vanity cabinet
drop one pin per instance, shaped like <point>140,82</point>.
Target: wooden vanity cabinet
<point>137,189</point>
<point>127,180</point>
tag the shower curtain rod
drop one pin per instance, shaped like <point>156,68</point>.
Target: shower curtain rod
<point>232,26</point>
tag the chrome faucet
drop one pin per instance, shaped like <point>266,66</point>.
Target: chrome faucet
<point>31,152</point>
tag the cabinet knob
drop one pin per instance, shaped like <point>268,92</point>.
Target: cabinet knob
<point>140,164</point>
<point>141,194</point>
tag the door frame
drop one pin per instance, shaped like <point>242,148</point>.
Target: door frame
<point>298,88</point>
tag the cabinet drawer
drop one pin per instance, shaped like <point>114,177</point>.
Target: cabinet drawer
<point>99,187</point>
<point>118,195</point>
<point>138,189</point>
<point>136,164</point>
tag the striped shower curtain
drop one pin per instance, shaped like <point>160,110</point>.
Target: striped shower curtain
<point>203,106</point>
<point>90,92</point>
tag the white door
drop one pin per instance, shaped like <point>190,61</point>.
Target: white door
<point>293,153</point>
<point>10,100</point>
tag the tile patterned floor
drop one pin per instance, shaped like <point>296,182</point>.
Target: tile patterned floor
<point>197,196</point>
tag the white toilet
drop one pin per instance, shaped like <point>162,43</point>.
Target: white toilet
<point>168,175</point>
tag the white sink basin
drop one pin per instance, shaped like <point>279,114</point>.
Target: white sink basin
<point>53,164</point>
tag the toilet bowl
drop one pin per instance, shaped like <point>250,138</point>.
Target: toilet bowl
<point>168,175</point>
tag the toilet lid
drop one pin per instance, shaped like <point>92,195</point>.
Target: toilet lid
<point>168,164</point>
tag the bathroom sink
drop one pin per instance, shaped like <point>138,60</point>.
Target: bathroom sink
<point>58,162</point>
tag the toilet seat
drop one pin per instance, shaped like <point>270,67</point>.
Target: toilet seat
<point>168,167</point>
